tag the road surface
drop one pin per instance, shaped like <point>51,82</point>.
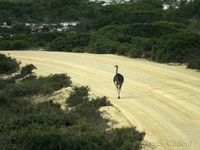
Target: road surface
<point>162,100</point>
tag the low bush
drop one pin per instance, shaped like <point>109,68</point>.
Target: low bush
<point>47,104</point>
<point>54,121</point>
<point>198,64</point>
<point>46,141</point>
<point>145,30</point>
<point>77,96</point>
<point>6,82</point>
<point>88,111</point>
<point>18,42</point>
<point>77,50</point>
<point>50,36</point>
<point>10,108</point>
<point>5,45</point>
<point>194,63</point>
<point>69,41</point>
<point>19,45</point>
<point>122,50</point>
<point>85,109</point>
<point>42,85</point>
<point>8,64</point>
<point>103,46</point>
<point>123,137</point>
<point>99,102</point>
<point>14,45</point>
<point>135,53</point>
<point>29,38</point>
<point>145,44</point>
<point>27,70</point>
<point>81,126</point>
<point>179,48</point>
<point>90,115</point>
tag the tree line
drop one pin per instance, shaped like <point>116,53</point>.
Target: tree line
<point>134,29</point>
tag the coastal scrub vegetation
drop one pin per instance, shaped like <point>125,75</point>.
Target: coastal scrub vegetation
<point>135,29</point>
<point>27,125</point>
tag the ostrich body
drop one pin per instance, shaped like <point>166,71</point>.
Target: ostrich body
<point>118,81</point>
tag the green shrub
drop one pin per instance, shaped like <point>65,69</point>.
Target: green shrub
<point>27,70</point>
<point>6,82</point>
<point>198,64</point>
<point>50,36</point>
<point>99,102</point>
<point>8,64</point>
<point>145,30</point>
<point>11,107</point>
<point>93,134</point>
<point>5,45</point>
<point>81,127</point>
<point>42,85</point>
<point>14,45</point>
<point>170,24</point>
<point>27,78</point>
<point>57,44</point>
<point>78,95</point>
<point>54,121</point>
<point>192,64</point>
<point>77,50</point>
<point>46,107</point>
<point>179,48</point>
<point>46,141</point>
<point>49,103</point>
<point>31,39</point>
<point>194,27</point>
<point>122,137</point>
<point>79,141</point>
<point>128,145</point>
<point>18,45</point>
<point>88,111</point>
<point>103,46</point>
<point>146,54</point>
<point>135,53</point>
<point>122,50</point>
<point>55,141</point>
<point>14,103</point>
<point>147,44</point>
<point>69,41</point>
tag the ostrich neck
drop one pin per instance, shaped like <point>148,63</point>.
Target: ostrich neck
<point>116,70</point>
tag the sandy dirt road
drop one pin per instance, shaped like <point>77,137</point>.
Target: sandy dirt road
<point>162,100</point>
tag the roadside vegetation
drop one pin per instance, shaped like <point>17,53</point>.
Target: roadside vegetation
<point>27,125</point>
<point>135,29</point>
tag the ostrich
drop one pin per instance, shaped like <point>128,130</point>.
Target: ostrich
<point>118,81</point>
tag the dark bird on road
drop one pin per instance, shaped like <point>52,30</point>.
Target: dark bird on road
<point>118,81</point>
